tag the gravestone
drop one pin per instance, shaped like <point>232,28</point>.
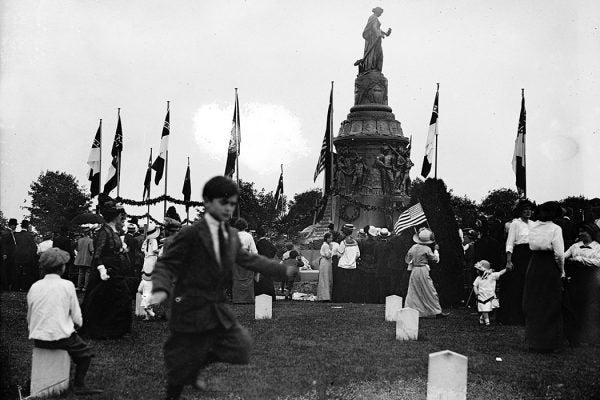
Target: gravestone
<point>49,372</point>
<point>407,324</point>
<point>263,307</point>
<point>139,310</point>
<point>393,304</point>
<point>447,376</point>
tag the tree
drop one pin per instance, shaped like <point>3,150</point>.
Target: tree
<point>301,211</point>
<point>465,209</point>
<point>3,221</point>
<point>56,198</point>
<point>499,201</point>
<point>258,208</point>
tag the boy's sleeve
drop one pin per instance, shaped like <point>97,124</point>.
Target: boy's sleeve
<point>75,309</point>
<point>258,263</point>
<point>173,261</point>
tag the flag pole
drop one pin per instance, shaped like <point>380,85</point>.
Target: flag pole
<point>330,161</point>
<point>524,151</point>
<point>281,198</point>
<point>187,208</point>
<point>149,186</point>
<point>237,147</point>
<point>166,167</point>
<point>436,132</point>
<point>100,169</point>
<point>119,161</point>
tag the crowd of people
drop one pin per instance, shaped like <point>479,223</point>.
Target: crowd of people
<point>519,272</point>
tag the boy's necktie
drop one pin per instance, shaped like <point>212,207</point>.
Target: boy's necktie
<point>222,244</point>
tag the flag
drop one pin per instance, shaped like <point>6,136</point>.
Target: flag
<point>233,151</point>
<point>187,189</point>
<point>159,163</point>
<point>279,191</point>
<point>115,166</point>
<point>430,146</point>
<point>148,178</point>
<point>325,157</point>
<point>412,216</point>
<point>518,161</point>
<point>94,162</point>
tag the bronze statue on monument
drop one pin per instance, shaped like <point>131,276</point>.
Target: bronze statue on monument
<point>373,35</point>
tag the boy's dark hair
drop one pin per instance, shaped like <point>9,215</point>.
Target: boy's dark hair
<point>241,224</point>
<point>293,254</point>
<point>219,187</point>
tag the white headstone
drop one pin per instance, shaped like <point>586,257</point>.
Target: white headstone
<point>407,324</point>
<point>263,307</point>
<point>139,311</point>
<point>49,372</point>
<point>393,304</point>
<point>447,376</point>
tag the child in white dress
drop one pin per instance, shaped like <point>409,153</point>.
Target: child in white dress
<point>484,287</point>
<point>150,250</point>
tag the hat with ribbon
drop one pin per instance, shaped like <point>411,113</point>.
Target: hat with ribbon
<point>425,236</point>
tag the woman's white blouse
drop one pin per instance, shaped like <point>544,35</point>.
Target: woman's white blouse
<point>547,236</point>
<point>518,233</point>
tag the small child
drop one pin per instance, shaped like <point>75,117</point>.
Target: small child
<point>484,287</point>
<point>294,260</point>
<point>150,250</point>
<point>53,313</point>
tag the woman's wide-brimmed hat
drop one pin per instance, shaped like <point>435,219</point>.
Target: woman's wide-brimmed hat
<point>483,265</point>
<point>373,231</point>
<point>425,236</point>
<point>384,232</point>
<point>153,231</point>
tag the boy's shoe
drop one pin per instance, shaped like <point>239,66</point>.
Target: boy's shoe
<point>84,390</point>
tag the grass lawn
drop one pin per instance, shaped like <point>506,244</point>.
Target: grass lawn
<point>313,351</point>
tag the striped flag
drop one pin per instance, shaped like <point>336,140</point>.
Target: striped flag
<point>94,162</point>
<point>233,151</point>
<point>148,178</point>
<point>187,188</point>
<point>518,161</point>
<point>413,216</point>
<point>325,157</point>
<point>279,191</point>
<point>159,163</point>
<point>433,130</point>
<point>114,171</point>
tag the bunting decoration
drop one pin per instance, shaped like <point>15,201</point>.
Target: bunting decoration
<point>95,161</point>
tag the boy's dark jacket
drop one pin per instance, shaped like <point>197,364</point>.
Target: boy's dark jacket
<point>197,298</point>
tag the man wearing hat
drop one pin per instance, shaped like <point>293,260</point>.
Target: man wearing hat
<point>9,244</point>
<point>383,273</point>
<point>136,257</point>
<point>83,260</point>
<point>25,258</point>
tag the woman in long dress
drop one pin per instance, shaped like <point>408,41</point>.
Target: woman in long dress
<point>542,296</point>
<point>517,259</point>
<point>344,284</point>
<point>243,279</point>
<point>107,303</point>
<point>325,282</point>
<point>373,53</point>
<point>421,295</point>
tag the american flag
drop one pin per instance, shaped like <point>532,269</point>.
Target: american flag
<point>413,216</point>
<point>324,162</point>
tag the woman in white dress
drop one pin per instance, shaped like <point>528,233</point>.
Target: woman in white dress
<point>325,282</point>
<point>243,279</point>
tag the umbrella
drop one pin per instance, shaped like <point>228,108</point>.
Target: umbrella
<point>87,218</point>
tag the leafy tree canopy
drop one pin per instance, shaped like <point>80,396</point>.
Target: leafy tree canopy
<point>499,202</point>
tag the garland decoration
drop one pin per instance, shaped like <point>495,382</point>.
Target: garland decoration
<point>159,199</point>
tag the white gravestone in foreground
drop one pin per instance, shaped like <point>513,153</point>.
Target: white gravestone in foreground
<point>393,304</point>
<point>263,307</point>
<point>447,376</point>
<point>407,324</point>
<point>49,372</point>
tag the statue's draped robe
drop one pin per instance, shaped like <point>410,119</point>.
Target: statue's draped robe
<point>373,55</point>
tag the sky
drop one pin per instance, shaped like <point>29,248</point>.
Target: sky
<point>66,64</point>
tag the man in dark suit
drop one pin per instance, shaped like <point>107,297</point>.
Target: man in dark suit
<point>63,242</point>
<point>9,244</point>
<point>26,271</point>
<point>200,260</point>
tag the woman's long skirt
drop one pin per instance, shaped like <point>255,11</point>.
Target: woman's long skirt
<point>344,286</point>
<point>511,288</point>
<point>585,301</point>
<point>242,291</point>
<point>107,310</point>
<point>542,303</point>
<point>325,281</point>
<point>421,295</point>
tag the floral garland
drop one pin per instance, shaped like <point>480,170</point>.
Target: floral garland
<point>350,201</point>
<point>159,199</point>
<point>157,222</point>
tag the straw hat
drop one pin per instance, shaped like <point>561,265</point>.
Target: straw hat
<point>483,265</point>
<point>384,232</point>
<point>425,236</point>
<point>348,229</point>
<point>153,231</point>
<point>373,231</point>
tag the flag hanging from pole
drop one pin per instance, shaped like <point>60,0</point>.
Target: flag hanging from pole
<point>94,162</point>
<point>233,151</point>
<point>518,161</point>
<point>430,146</point>
<point>187,189</point>
<point>325,158</point>
<point>148,178</point>
<point>412,216</point>
<point>159,163</point>
<point>279,192</point>
<point>115,166</point>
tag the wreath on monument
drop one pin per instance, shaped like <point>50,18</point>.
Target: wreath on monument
<point>350,212</point>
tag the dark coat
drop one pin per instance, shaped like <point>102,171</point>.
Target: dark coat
<point>8,243</point>
<point>26,249</point>
<point>200,280</point>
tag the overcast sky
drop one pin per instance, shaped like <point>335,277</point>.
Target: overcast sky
<point>66,64</point>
